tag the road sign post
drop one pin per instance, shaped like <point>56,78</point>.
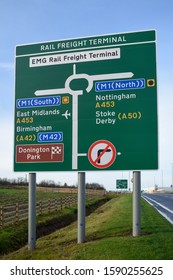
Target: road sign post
<point>81,207</point>
<point>32,212</point>
<point>136,203</point>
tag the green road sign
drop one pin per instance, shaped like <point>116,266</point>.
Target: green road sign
<point>122,184</point>
<point>87,104</point>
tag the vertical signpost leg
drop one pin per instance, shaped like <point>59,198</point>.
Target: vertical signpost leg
<point>32,212</point>
<point>81,207</point>
<point>136,202</point>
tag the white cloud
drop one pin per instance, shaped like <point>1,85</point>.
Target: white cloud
<point>9,66</point>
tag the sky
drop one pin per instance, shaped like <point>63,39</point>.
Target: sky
<point>24,22</point>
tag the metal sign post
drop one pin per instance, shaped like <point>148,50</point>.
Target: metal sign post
<point>32,212</point>
<point>136,202</point>
<point>81,207</point>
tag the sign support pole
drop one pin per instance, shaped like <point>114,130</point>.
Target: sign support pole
<point>32,212</point>
<point>136,203</point>
<point>81,207</point>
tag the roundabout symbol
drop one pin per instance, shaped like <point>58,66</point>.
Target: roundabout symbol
<point>102,154</point>
<point>75,93</point>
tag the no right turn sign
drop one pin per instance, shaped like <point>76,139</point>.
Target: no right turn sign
<point>102,154</point>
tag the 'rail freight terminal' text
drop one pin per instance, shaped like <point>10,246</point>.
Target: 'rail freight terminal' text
<point>83,43</point>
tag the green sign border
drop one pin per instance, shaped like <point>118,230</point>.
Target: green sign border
<point>132,43</point>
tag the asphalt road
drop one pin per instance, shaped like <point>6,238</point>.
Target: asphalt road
<point>163,203</point>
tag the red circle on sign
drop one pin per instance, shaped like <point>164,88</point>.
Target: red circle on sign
<point>102,154</point>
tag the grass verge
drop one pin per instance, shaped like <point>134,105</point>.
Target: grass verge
<point>14,237</point>
<point>108,236</point>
